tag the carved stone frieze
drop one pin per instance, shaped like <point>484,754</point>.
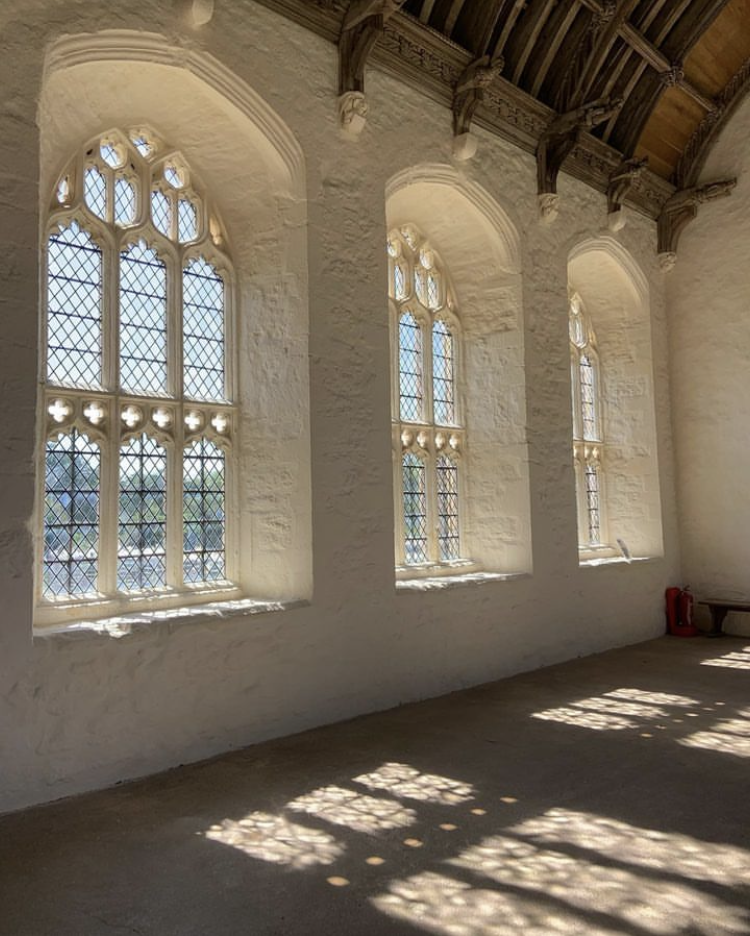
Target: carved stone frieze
<point>621,181</point>
<point>560,138</point>
<point>434,64</point>
<point>469,93</point>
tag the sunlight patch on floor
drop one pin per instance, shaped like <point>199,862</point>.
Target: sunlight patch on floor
<point>737,659</point>
<point>568,873</point>
<point>617,710</point>
<point>647,848</point>
<point>355,810</point>
<point>728,736</point>
<point>403,780</point>
<point>276,839</point>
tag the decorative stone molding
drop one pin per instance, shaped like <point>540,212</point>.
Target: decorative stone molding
<point>667,261</point>
<point>621,181</point>
<point>469,93</point>
<point>679,211</point>
<point>549,207</point>
<point>353,110</point>
<point>201,12</point>
<point>559,139</point>
<point>361,28</point>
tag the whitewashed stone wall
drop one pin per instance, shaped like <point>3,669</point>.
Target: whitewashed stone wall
<point>84,709</point>
<point>710,330</point>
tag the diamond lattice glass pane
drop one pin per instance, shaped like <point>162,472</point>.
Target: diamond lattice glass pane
<point>592,504</point>
<point>203,331</point>
<point>588,398</point>
<point>141,555</point>
<point>74,308</point>
<point>143,320</point>
<point>433,291</point>
<point>399,281</point>
<point>113,156</point>
<point>420,284</point>
<point>187,220</point>
<point>124,201</point>
<point>443,386</point>
<point>415,509</point>
<point>410,368</point>
<point>142,144</point>
<point>161,212</point>
<point>203,513</point>
<point>447,503</point>
<point>71,516</point>
<point>95,192</point>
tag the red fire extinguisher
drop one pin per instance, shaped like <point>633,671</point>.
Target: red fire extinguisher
<point>680,612</point>
<point>672,596</point>
<point>686,607</point>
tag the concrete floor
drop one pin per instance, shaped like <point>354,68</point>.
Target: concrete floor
<point>606,795</point>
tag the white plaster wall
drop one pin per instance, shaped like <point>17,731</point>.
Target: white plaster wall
<point>83,710</point>
<point>709,293</point>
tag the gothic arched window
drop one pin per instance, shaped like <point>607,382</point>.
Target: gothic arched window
<point>588,439</point>
<point>137,383</point>
<point>428,436</point>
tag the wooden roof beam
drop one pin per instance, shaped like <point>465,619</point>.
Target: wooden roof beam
<point>531,31</point>
<point>655,58</point>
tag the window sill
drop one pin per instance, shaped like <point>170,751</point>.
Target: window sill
<point>457,580</point>
<point>125,625</point>
<point>594,561</point>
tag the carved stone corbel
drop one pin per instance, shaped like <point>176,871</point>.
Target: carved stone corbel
<point>468,94</point>
<point>679,211</point>
<point>620,182</point>
<point>557,143</point>
<point>362,27</point>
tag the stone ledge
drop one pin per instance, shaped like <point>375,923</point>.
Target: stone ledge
<point>439,582</point>
<point>617,560</point>
<point>125,625</point>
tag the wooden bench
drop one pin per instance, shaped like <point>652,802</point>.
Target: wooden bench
<point>719,610</point>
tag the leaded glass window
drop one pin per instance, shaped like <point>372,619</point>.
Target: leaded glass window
<point>137,388</point>
<point>428,437</point>
<point>588,443</point>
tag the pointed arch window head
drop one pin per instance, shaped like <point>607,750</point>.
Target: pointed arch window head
<point>429,439</point>
<point>137,387</point>
<point>588,440</point>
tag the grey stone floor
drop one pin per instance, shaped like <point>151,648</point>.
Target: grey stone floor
<point>606,795</point>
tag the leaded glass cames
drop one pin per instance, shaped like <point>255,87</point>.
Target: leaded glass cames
<point>428,436</point>
<point>136,385</point>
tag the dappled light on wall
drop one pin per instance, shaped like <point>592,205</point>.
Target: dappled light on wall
<point>402,780</point>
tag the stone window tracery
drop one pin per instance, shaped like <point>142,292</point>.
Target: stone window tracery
<point>429,439</point>
<point>137,383</point>
<point>588,440</point>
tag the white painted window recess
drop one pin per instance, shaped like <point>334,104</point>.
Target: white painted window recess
<point>428,434</point>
